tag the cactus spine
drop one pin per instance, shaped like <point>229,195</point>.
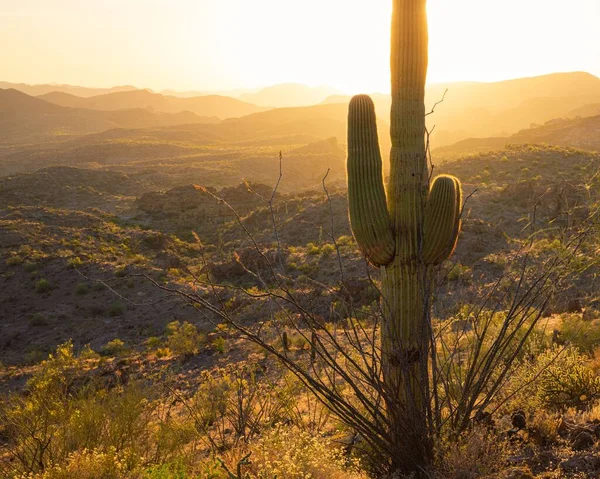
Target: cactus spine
<point>406,232</point>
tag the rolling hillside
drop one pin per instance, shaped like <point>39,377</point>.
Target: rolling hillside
<point>36,90</point>
<point>289,94</point>
<point>24,118</point>
<point>210,105</point>
<point>210,154</point>
<point>583,133</point>
<point>501,108</point>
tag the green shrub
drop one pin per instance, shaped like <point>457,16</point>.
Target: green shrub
<point>38,319</point>
<point>153,342</point>
<point>82,288</point>
<point>459,272</point>
<point>219,344</point>
<point>74,262</point>
<point>345,240</point>
<point>566,380</point>
<point>295,454</point>
<point>176,470</point>
<point>312,249</point>
<point>115,347</point>
<point>29,266</point>
<point>88,353</point>
<point>584,335</point>
<point>116,309</point>
<point>14,260</point>
<point>42,286</point>
<point>183,338</point>
<point>86,464</point>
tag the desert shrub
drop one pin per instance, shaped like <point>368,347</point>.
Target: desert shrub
<point>219,344</point>
<point>584,335</point>
<point>88,353</point>
<point>35,356</point>
<point>116,309</point>
<point>29,422</point>
<point>75,262</point>
<point>233,405</point>
<point>327,248</point>
<point>70,425</point>
<point>29,266</point>
<point>86,464</point>
<point>153,342</point>
<point>476,454</point>
<point>183,338</point>
<point>544,427</point>
<point>297,341</point>
<point>14,260</point>
<point>566,380</point>
<point>345,240</point>
<point>81,288</point>
<point>38,319</point>
<point>459,272</point>
<point>175,470</point>
<point>114,348</point>
<point>295,454</point>
<point>42,286</point>
<point>312,248</point>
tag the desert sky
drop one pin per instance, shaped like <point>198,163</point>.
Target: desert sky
<point>216,45</point>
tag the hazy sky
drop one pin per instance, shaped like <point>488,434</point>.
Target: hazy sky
<point>223,44</point>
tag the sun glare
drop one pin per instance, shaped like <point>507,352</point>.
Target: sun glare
<point>209,45</point>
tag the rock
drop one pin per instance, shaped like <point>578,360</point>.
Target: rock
<point>581,463</point>
<point>565,427</point>
<point>545,460</point>
<point>577,429</point>
<point>518,420</point>
<point>583,440</point>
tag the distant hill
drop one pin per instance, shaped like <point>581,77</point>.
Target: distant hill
<point>582,133</point>
<point>208,106</point>
<point>311,139</point>
<point>501,108</point>
<point>587,110</point>
<point>23,117</point>
<point>236,93</point>
<point>289,94</point>
<point>37,90</point>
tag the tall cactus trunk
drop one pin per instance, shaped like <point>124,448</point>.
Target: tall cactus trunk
<point>406,233</point>
<point>404,332</point>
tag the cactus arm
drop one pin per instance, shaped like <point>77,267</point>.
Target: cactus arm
<point>442,219</point>
<point>369,216</point>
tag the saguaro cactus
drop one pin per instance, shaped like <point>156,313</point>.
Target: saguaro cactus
<point>406,232</point>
